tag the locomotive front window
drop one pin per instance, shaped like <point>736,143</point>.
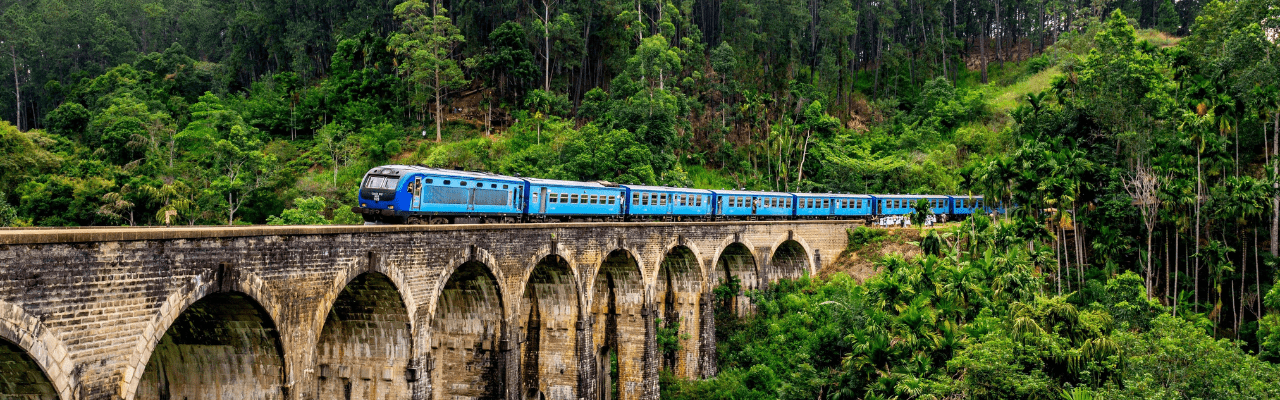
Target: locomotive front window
<point>429,180</point>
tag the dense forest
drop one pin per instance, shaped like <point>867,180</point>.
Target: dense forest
<point>1138,139</point>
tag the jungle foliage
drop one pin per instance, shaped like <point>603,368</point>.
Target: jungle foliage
<point>1136,142</point>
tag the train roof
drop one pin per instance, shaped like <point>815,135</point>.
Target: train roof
<point>844,195</point>
<point>666,189</point>
<point>557,182</point>
<point>965,196</point>
<point>747,193</point>
<point>440,171</point>
<point>909,196</point>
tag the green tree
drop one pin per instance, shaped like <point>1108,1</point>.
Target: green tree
<point>425,49</point>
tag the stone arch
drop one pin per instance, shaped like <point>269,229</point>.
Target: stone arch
<point>467,335</point>
<point>679,299</point>
<point>374,264</point>
<point>224,345</point>
<point>810,256</point>
<point>224,279</point>
<point>736,260</point>
<point>546,330</point>
<point>789,260</point>
<point>29,345</point>
<point>366,343</point>
<point>618,308</point>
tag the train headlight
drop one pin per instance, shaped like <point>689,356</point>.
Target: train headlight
<point>364,205</point>
<point>391,207</point>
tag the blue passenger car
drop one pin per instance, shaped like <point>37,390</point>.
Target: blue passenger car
<point>738,204</point>
<point>411,194</point>
<point>567,201</point>
<point>664,203</point>
<point>849,206</point>
<point>814,205</point>
<point>966,205</point>
<point>902,204</point>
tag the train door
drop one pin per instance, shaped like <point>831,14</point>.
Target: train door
<point>471,199</point>
<point>755,205</point>
<point>542,200</point>
<point>417,192</point>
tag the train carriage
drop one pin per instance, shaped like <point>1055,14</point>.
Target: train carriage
<point>739,204</point>
<point>558,200</point>
<point>665,203</point>
<point>412,194</point>
<point>850,206</point>
<point>963,206</point>
<point>903,204</point>
<point>814,205</point>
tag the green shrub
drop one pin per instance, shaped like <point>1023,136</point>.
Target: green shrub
<point>862,236</point>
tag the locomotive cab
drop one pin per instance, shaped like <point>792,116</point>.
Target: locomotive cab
<point>378,194</point>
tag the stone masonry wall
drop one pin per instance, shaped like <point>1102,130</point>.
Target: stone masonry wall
<point>92,307</point>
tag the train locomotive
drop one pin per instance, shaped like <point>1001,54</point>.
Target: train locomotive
<point>402,194</point>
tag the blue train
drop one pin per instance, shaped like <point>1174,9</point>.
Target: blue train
<point>403,194</point>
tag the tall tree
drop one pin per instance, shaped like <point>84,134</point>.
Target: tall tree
<point>425,48</point>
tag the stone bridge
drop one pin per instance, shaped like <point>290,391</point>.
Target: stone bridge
<point>534,311</point>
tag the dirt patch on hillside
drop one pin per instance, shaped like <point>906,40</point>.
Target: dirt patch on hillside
<point>860,264</point>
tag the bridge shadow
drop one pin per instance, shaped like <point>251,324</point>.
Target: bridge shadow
<point>789,261</point>
<point>466,336</point>
<point>738,262</point>
<point>366,343</point>
<point>548,320</point>
<point>21,377</point>
<point>222,346</point>
<point>679,292</point>
<point>617,304</point>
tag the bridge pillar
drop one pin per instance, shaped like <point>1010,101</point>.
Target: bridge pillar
<point>588,387</point>
<point>651,360</point>
<point>707,366</point>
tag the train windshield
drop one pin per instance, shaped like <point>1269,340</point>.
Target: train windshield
<point>381,182</point>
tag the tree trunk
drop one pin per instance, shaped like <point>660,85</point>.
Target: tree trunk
<point>1275,200</point>
<point>546,45</point>
<point>439,108</point>
<point>803,152</point>
<point>17,89</point>
<point>1196,295</point>
<point>982,48</point>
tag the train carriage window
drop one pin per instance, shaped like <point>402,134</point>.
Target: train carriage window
<point>826,203</point>
<point>644,199</point>
<point>859,203</point>
<point>503,186</point>
<point>700,201</point>
<point>612,200</point>
<point>573,198</point>
<point>551,198</point>
<point>635,199</point>
<point>462,183</point>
